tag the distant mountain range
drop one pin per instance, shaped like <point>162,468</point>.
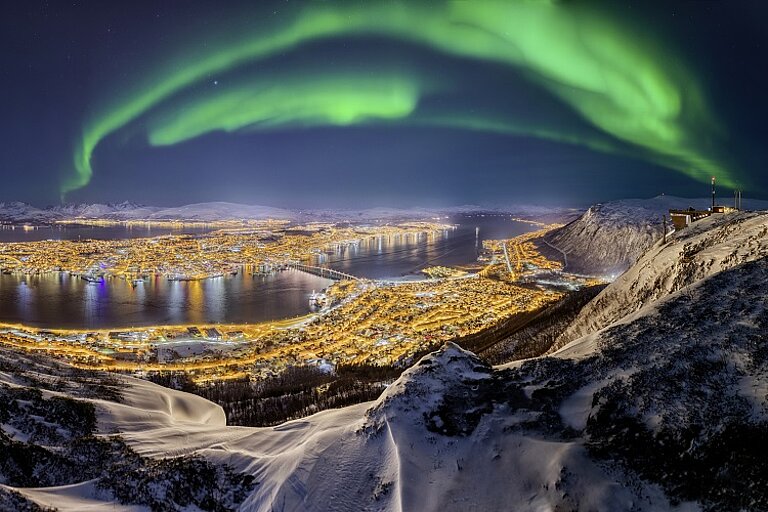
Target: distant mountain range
<point>17,212</point>
<point>203,212</point>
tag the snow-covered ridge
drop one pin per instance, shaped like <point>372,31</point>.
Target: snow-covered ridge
<point>449,435</point>
<point>705,248</point>
<point>421,390</point>
<point>609,237</point>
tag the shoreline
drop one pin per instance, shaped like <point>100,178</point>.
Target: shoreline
<point>282,323</point>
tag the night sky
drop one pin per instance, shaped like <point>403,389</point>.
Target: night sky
<point>355,104</point>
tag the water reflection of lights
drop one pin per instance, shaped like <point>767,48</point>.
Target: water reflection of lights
<point>91,295</point>
<point>25,299</point>
<point>140,292</point>
<point>195,300</point>
<point>176,304</point>
<point>182,302</point>
<point>215,298</point>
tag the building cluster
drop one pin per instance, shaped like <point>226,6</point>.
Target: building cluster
<point>441,272</point>
<point>684,218</point>
<point>518,258</point>
<point>190,257</point>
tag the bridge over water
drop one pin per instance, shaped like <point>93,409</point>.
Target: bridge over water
<point>326,272</point>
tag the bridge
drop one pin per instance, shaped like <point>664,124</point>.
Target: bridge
<point>326,272</point>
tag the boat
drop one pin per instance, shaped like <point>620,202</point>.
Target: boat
<point>317,300</point>
<point>91,278</point>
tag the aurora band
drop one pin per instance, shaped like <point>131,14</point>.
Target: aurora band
<point>618,82</point>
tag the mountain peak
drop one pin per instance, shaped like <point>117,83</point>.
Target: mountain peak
<point>421,391</point>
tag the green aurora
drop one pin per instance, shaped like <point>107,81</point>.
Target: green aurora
<point>633,95</point>
<point>338,99</point>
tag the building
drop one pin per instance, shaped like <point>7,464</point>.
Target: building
<point>129,335</point>
<point>213,334</point>
<point>683,218</point>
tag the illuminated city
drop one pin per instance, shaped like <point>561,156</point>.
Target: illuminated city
<point>267,246</point>
<point>359,320</point>
<point>383,256</point>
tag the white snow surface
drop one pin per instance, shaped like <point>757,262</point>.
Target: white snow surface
<point>374,456</point>
<point>709,246</point>
<point>80,497</point>
<point>609,237</point>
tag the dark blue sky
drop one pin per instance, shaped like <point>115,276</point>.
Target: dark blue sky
<point>440,119</point>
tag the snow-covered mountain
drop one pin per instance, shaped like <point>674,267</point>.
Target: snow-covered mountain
<point>18,212</point>
<point>219,211</point>
<point>92,211</point>
<point>707,247</point>
<point>199,212</point>
<point>22,212</point>
<point>609,237</point>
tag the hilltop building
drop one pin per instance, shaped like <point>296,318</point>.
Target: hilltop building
<point>683,218</point>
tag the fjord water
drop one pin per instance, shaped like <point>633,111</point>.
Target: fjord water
<point>402,257</point>
<point>59,300</point>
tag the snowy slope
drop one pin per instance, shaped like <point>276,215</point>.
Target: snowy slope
<point>608,238</point>
<point>55,452</point>
<point>706,247</point>
<point>436,440</point>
